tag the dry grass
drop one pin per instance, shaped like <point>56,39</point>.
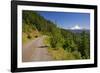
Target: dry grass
<point>61,54</point>
<point>29,36</point>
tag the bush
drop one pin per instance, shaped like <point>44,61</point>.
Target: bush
<point>77,55</point>
<point>69,56</point>
<point>60,54</point>
<point>24,37</point>
<point>47,41</point>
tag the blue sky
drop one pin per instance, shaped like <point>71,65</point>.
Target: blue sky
<point>68,20</point>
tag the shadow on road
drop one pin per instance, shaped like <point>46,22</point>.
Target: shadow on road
<point>43,46</point>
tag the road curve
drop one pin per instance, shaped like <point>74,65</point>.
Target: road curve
<point>35,50</point>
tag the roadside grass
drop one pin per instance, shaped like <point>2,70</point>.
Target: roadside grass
<point>47,41</point>
<point>24,38</point>
<point>61,54</point>
<point>58,53</point>
<point>29,36</point>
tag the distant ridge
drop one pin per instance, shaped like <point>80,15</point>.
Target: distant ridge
<point>78,30</point>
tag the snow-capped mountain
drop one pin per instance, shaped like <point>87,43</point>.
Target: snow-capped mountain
<point>76,27</point>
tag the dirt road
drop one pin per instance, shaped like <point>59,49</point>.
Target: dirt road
<point>35,50</point>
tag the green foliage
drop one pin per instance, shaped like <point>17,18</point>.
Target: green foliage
<point>77,55</point>
<point>57,39</point>
<point>28,28</point>
<point>69,56</point>
<point>84,45</point>
<point>24,37</point>
<point>61,54</point>
<point>70,45</point>
<point>47,41</point>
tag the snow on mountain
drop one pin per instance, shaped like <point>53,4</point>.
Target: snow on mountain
<point>76,27</point>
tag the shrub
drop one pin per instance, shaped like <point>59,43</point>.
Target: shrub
<point>24,37</point>
<point>60,54</point>
<point>77,55</point>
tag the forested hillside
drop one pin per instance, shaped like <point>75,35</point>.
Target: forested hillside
<point>62,44</point>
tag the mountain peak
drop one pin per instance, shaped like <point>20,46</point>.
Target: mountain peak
<point>76,27</point>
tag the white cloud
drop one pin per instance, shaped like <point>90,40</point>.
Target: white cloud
<point>76,27</point>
